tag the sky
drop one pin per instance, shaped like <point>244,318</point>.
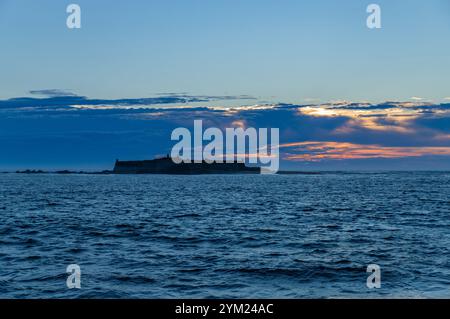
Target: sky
<point>344,96</point>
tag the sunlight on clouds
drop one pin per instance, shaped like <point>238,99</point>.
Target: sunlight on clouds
<point>316,151</point>
<point>363,115</point>
<point>239,123</point>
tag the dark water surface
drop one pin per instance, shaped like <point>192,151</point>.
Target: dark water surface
<point>225,236</point>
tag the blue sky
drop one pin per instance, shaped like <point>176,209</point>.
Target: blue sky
<point>285,50</point>
<point>224,53</point>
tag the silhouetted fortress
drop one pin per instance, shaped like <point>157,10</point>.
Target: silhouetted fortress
<point>165,165</point>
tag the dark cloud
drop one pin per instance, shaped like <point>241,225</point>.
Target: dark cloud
<point>52,92</point>
<point>186,95</point>
<point>366,106</point>
<point>59,98</point>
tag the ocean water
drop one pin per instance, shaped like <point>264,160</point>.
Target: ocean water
<point>247,236</point>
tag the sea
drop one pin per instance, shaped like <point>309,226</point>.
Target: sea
<point>226,236</point>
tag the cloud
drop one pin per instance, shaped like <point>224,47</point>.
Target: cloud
<point>316,151</point>
<point>52,93</point>
<point>313,134</point>
<point>60,98</point>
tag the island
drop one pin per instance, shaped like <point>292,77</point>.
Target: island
<point>165,165</point>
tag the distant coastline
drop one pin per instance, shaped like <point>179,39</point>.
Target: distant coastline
<point>215,171</point>
<point>59,172</point>
<point>165,166</point>
<point>110,172</point>
<point>287,172</point>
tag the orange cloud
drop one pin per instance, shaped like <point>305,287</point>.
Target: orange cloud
<point>316,151</point>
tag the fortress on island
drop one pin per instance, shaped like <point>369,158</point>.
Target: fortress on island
<point>166,165</point>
